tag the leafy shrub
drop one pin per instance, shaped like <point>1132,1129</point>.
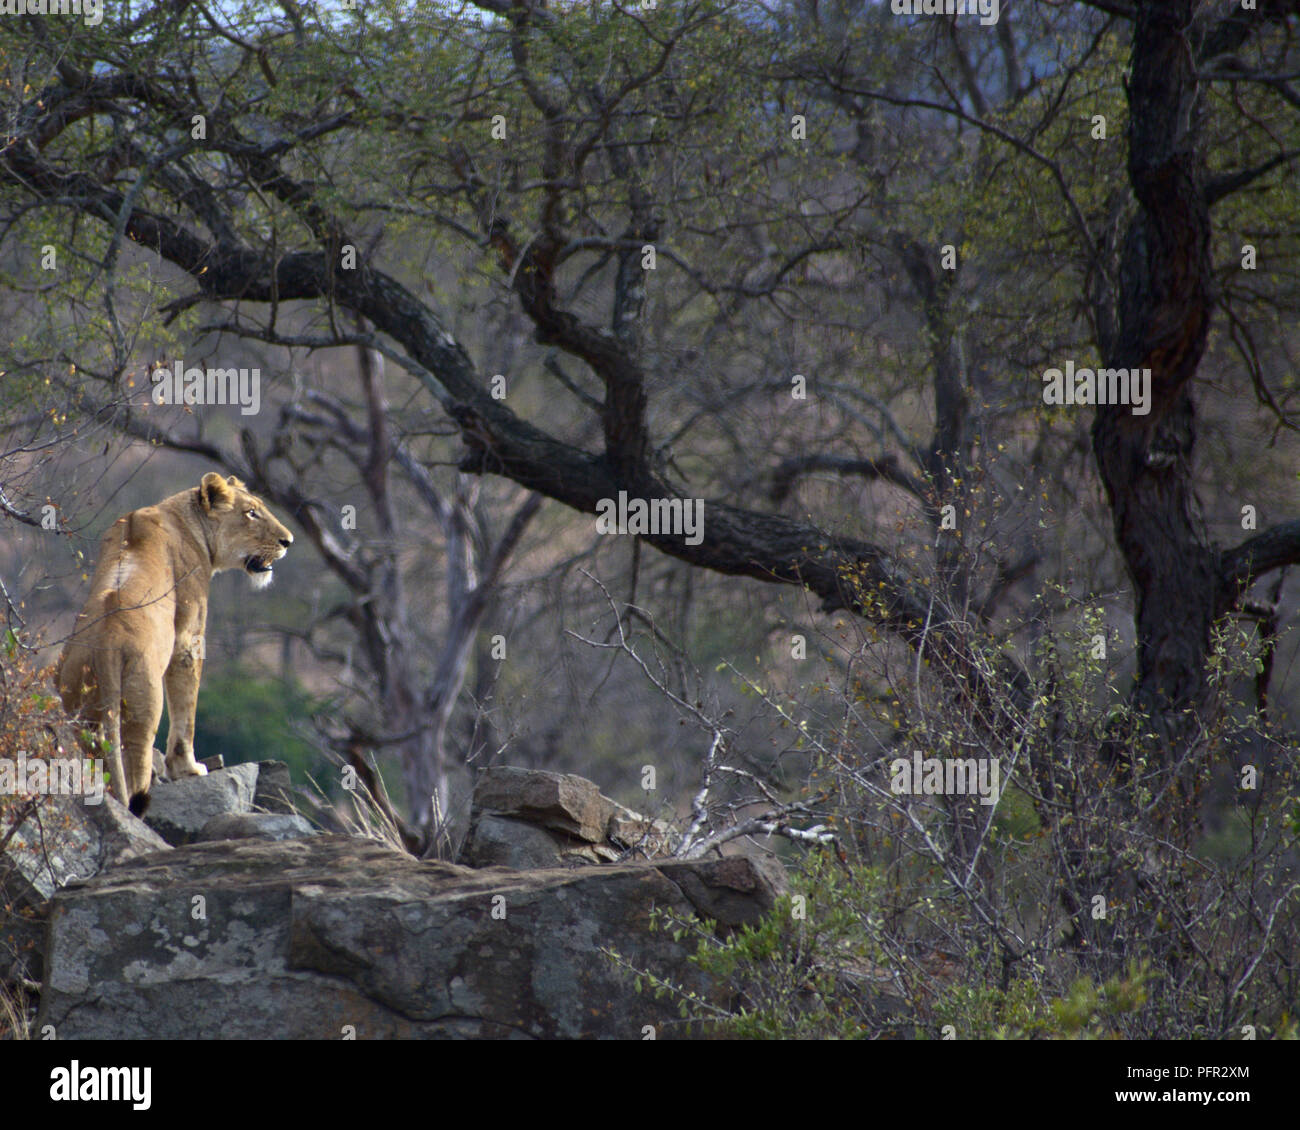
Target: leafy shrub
<point>1088,903</point>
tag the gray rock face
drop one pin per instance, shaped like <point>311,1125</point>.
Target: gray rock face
<point>275,791</point>
<point>304,938</point>
<point>497,842</point>
<point>524,818</point>
<point>562,802</point>
<point>724,890</point>
<point>66,839</point>
<point>254,826</point>
<point>178,810</point>
<point>62,841</point>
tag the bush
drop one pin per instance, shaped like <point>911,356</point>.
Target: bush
<point>1087,903</point>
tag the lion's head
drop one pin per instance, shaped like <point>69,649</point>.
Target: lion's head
<point>241,530</point>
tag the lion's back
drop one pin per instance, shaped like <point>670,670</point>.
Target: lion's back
<point>129,610</point>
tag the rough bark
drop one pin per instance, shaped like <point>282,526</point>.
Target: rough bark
<point>1182,581</point>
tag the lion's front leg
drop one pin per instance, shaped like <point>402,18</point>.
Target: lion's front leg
<point>182,682</point>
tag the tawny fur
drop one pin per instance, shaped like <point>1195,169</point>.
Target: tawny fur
<point>140,636</point>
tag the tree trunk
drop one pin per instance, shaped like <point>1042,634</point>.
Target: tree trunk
<point>1165,297</point>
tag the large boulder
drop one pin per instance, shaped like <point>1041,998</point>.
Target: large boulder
<point>330,936</point>
<point>495,841</point>
<point>62,840</point>
<point>178,810</point>
<point>66,838</point>
<point>524,818</point>
<point>562,802</point>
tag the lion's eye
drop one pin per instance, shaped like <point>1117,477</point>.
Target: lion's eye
<point>250,513</point>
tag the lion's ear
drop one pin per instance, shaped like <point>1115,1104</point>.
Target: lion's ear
<point>215,493</point>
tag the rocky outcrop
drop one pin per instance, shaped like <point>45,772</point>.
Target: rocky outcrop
<point>257,926</point>
<point>60,839</point>
<point>525,818</point>
<point>331,936</point>
<point>563,802</point>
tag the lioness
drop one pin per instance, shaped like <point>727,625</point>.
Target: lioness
<point>141,632</point>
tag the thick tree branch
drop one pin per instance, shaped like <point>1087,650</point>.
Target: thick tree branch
<point>886,467</point>
<point>1274,548</point>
